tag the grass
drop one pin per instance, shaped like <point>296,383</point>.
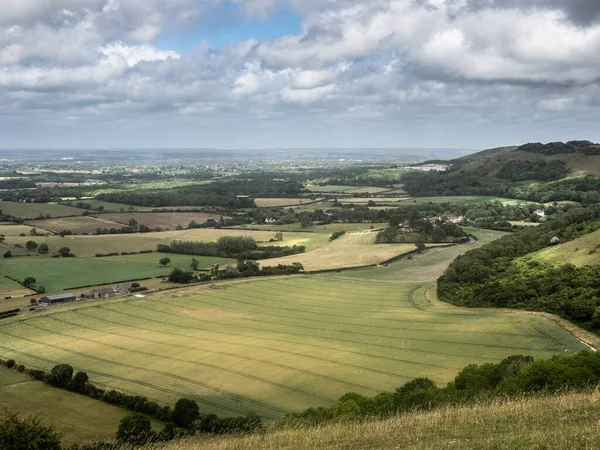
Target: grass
<point>79,419</point>
<point>280,202</point>
<point>82,224</point>
<point>15,230</point>
<point>88,246</point>
<point>33,210</point>
<point>326,229</point>
<point>561,422</point>
<point>425,267</point>
<point>9,288</point>
<point>163,220</point>
<point>350,250</point>
<point>274,345</point>
<point>580,252</point>
<point>57,274</point>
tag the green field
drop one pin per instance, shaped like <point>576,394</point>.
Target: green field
<point>580,252</point>
<point>16,230</point>
<point>135,242</point>
<point>79,419</point>
<point>275,345</point>
<point>33,210</point>
<point>9,288</point>
<point>56,274</point>
<point>426,267</point>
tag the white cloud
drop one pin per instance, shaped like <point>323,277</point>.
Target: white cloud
<point>394,62</point>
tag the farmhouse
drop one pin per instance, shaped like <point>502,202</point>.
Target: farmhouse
<point>54,299</point>
<point>100,293</point>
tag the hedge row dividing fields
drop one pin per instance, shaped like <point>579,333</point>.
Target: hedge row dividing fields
<point>274,345</point>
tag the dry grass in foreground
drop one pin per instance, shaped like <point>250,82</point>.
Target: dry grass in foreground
<point>569,421</point>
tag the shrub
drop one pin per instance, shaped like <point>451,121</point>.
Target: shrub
<point>10,363</point>
<point>135,429</point>
<point>28,434</point>
<point>185,412</point>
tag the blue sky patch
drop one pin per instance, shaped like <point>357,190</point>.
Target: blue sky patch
<point>227,27</point>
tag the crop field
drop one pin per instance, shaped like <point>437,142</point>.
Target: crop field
<point>33,210</point>
<point>82,224</point>
<point>465,200</point>
<point>88,246</point>
<point>62,273</point>
<point>163,220</point>
<point>327,229</point>
<point>279,202</point>
<point>350,250</point>
<point>426,267</point>
<point>15,230</point>
<point>580,252</point>
<point>275,345</point>
<point>78,418</point>
<point>330,188</point>
<point>10,288</point>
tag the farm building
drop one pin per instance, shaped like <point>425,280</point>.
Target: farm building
<point>60,298</point>
<point>100,293</point>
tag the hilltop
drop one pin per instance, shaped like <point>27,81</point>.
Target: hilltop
<point>534,171</point>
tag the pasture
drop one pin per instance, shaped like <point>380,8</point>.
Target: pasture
<point>280,202</point>
<point>88,246</point>
<point>57,274</point>
<point>81,224</point>
<point>160,219</point>
<point>350,250</point>
<point>10,288</point>
<point>35,210</point>
<point>425,267</point>
<point>580,252</point>
<point>275,345</point>
<point>15,230</point>
<point>79,419</point>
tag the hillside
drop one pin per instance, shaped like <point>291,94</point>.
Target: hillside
<point>559,422</point>
<point>538,172</point>
<point>580,158</point>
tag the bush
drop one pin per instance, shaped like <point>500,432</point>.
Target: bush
<point>10,363</point>
<point>28,434</point>
<point>185,412</point>
<point>135,429</point>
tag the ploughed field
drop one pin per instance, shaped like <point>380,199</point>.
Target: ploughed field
<point>275,345</point>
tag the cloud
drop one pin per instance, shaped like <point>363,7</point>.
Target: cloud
<point>394,64</point>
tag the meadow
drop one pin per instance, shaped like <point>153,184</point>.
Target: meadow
<point>424,267</point>
<point>34,210</point>
<point>81,224</point>
<point>9,288</point>
<point>280,202</point>
<point>160,219</point>
<point>57,274</point>
<point>275,345</point>
<point>350,250</point>
<point>88,246</point>
<point>79,419</point>
<point>580,252</point>
<point>15,230</point>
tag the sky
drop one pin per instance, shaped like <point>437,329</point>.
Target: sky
<point>297,73</point>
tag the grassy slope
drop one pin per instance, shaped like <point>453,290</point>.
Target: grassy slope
<point>488,163</point>
<point>78,418</point>
<point>559,422</point>
<point>275,345</point>
<point>575,252</point>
